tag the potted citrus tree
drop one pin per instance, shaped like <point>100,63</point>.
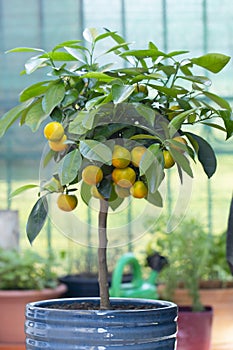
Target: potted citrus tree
<point>25,276</point>
<point>112,131</point>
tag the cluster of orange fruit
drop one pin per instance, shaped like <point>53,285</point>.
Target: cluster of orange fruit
<point>124,173</point>
<point>55,134</point>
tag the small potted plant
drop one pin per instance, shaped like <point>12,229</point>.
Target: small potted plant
<point>197,279</point>
<point>113,131</point>
<point>24,277</point>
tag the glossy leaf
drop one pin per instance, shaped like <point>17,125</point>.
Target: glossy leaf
<point>34,63</point>
<point>155,199</point>
<point>99,76</point>
<point>53,96</point>
<point>69,167</point>
<point>90,34</point>
<point>37,218</point>
<point>25,49</point>
<point>34,90</point>
<point>177,121</point>
<point>228,122</point>
<point>35,115</point>
<point>217,99</point>
<point>120,93</point>
<point>205,154</point>
<point>96,151</point>
<point>214,62</point>
<point>182,161</point>
<point>11,116</point>
<point>85,192</point>
<point>22,189</point>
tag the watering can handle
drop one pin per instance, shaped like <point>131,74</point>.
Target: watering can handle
<point>126,259</point>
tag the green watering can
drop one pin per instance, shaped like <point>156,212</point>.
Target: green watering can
<point>138,287</point>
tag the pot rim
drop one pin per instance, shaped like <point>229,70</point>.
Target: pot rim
<point>159,305</point>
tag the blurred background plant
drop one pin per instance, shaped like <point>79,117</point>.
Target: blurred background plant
<point>195,258</point>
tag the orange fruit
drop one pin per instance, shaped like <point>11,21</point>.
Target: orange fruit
<point>168,160</point>
<point>139,190</point>
<point>54,131</point>
<point>95,193</point>
<point>59,146</point>
<point>120,157</point>
<point>124,177</point>
<point>181,140</point>
<point>67,202</point>
<point>92,174</point>
<point>137,154</point>
<point>122,192</point>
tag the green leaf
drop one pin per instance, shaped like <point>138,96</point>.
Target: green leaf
<point>37,218</point>
<point>90,34</point>
<point>151,166</point>
<point>99,76</point>
<point>217,99</point>
<point>53,96</point>
<point>197,79</point>
<point>34,63</point>
<point>76,126</point>
<point>69,167</point>
<point>177,121</point>
<point>228,122</point>
<point>35,115</point>
<point>214,62</point>
<point>22,189</point>
<point>85,192</point>
<point>34,90</point>
<point>59,56</point>
<point>143,53</point>
<point>155,199</point>
<point>96,151</point>
<point>181,160</point>
<point>120,93</point>
<point>11,116</point>
<point>205,154</point>
<point>77,54</point>
<point>25,49</point>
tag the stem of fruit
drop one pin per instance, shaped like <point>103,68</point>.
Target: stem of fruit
<point>102,256</point>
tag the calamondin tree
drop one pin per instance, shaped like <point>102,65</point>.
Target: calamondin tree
<point>115,129</point>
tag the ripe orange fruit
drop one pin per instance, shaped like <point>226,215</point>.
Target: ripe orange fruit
<point>92,174</point>
<point>58,146</point>
<point>124,177</point>
<point>120,157</point>
<point>168,160</point>
<point>67,202</point>
<point>136,155</point>
<point>139,190</point>
<point>95,193</point>
<point>181,140</point>
<point>54,131</point>
<point>122,192</point>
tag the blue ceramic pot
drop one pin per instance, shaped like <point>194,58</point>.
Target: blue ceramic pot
<point>136,329</point>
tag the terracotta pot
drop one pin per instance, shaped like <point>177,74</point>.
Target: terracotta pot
<point>194,329</point>
<point>222,302</point>
<point>12,306</point>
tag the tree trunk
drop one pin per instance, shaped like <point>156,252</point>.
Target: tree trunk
<point>102,256</point>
